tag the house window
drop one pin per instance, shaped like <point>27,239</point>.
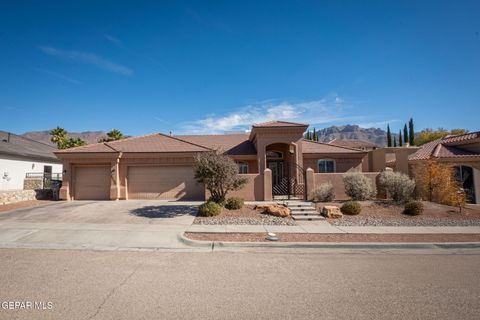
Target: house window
<point>274,154</point>
<point>326,165</point>
<point>242,167</point>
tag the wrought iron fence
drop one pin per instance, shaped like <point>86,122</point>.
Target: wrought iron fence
<point>46,178</point>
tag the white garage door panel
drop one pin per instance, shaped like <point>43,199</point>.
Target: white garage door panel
<point>163,183</point>
<point>92,183</point>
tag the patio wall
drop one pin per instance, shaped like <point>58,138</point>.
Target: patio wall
<point>337,181</point>
<point>252,191</point>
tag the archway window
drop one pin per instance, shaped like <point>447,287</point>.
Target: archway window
<point>274,154</point>
<point>242,167</point>
<point>326,166</point>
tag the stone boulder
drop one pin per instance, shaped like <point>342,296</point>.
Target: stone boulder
<point>274,210</point>
<point>332,212</point>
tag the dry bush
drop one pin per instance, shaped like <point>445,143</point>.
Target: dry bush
<point>358,186</point>
<point>324,192</point>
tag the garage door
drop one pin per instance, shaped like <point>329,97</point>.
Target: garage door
<point>92,183</point>
<point>163,183</point>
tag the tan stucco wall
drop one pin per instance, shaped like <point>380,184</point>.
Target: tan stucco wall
<point>253,190</point>
<point>343,163</point>
<point>337,181</point>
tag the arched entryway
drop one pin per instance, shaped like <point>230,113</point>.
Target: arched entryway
<point>288,177</point>
<point>465,176</point>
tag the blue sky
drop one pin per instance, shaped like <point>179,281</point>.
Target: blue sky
<point>210,66</point>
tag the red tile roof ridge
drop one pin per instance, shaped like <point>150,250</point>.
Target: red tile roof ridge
<point>332,145</point>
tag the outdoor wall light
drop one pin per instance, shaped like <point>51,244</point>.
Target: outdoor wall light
<point>291,149</point>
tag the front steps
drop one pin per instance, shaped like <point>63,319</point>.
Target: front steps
<point>302,210</point>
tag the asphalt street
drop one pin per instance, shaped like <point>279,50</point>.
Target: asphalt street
<point>329,284</point>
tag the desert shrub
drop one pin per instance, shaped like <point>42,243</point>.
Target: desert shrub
<point>219,174</point>
<point>358,186</point>
<point>209,209</point>
<point>351,208</point>
<point>234,203</point>
<point>413,208</point>
<point>397,185</point>
<point>324,192</point>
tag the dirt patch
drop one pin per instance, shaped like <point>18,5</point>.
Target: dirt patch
<point>316,237</point>
<point>22,204</point>
<point>247,215</point>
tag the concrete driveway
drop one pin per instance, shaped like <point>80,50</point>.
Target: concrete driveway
<point>98,225</point>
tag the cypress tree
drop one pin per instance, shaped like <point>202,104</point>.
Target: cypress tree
<point>314,135</point>
<point>405,134</point>
<point>400,138</point>
<point>411,134</point>
<point>394,141</point>
<point>307,135</point>
<point>389,136</point>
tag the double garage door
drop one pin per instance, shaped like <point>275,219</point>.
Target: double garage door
<point>143,182</point>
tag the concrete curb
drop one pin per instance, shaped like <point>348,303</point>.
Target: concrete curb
<point>330,245</point>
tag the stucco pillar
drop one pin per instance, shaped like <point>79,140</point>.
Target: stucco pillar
<point>401,160</point>
<point>476,183</point>
<point>267,185</point>
<point>115,180</point>
<point>378,161</point>
<point>310,183</point>
<point>66,181</point>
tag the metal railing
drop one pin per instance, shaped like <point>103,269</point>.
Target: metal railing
<point>51,176</point>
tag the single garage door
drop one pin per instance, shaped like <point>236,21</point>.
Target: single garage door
<point>92,183</point>
<point>163,183</point>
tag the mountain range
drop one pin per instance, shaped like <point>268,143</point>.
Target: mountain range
<point>375,135</point>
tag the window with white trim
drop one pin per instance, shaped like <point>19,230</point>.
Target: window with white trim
<point>242,167</point>
<point>326,166</point>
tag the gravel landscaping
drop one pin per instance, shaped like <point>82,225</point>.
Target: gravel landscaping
<point>245,216</point>
<point>383,213</point>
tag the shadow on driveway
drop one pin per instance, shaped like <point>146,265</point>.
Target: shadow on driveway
<point>164,211</point>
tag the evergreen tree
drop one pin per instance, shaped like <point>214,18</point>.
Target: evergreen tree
<point>400,138</point>
<point>411,133</point>
<point>394,141</point>
<point>389,136</point>
<point>314,138</point>
<point>405,134</point>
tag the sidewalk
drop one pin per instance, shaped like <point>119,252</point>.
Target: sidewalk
<point>326,228</point>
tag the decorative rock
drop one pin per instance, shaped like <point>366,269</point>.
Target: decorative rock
<point>332,212</point>
<point>274,210</point>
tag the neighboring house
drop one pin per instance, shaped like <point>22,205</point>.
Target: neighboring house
<point>460,151</point>
<point>20,156</point>
<point>274,157</point>
<point>354,143</point>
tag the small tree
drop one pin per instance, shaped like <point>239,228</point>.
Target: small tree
<point>411,132</point>
<point>358,186</point>
<point>389,136</point>
<point>219,173</point>
<point>405,134</point>
<point>400,138</point>
<point>394,141</point>
<point>437,182</point>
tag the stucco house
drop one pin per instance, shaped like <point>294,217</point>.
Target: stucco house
<point>274,156</point>
<point>20,157</point>
<point>461,152</point>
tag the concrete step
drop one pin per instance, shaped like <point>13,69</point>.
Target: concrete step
<point>294,204</point>
<point>308,218</point>
<point>305,213</point>
<point>299,209</point>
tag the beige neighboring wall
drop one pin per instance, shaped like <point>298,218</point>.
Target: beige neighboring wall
<point>343,163</point>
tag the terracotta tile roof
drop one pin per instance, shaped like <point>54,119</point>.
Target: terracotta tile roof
<point>156,142</point>
<point>320,147</point>
<point>271,124</point>
<point>461,138</point>
<point>232,144</point>
<point>444,148</point>
<point>353,143</point>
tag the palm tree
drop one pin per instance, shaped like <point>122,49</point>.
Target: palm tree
<point>59,136</point>
<point>113,135</point>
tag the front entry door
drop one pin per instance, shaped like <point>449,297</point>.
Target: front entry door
<point>277,175</point>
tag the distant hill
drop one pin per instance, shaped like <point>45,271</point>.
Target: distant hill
<point>44,136</point>
<point>375,135</point>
